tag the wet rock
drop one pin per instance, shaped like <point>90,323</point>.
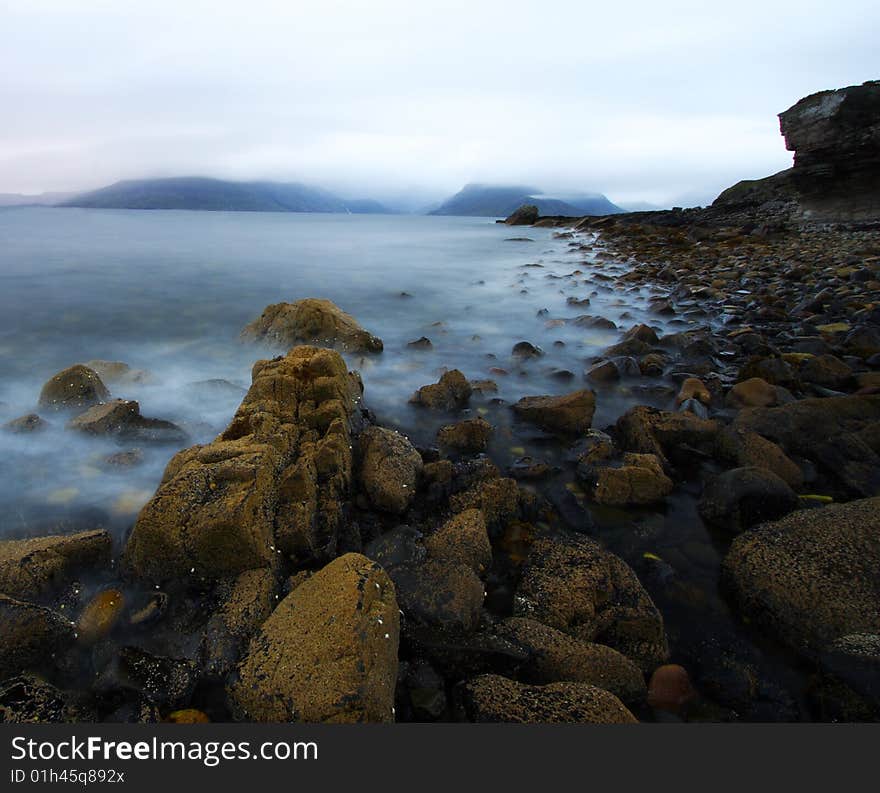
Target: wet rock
<point>439,593</point>
<point>526,215</point>
<point>640,480</point>
<point>151,611</point>
<point>498,499</point>
<point>28,699</point>
<point>245,603</point>
<point>127,459</point>
<point>463,539</point>
<point>25,424</point>
<point>100,616</point>
<point>743,497</point>
<point>469,436</point>
<point>451,392</point>
<point>484,386</point>
<point>160,680</point>
<point>825,370</point>
<point>525,349</point>
<point>756,392</point>
<point>491,698</point>
<point>187,716</point>
<point>603,372</point>
<point>74,388</point>
<point>311,321</point>
<point>589,321</point>
<point>117,372</point>
<point>34,568</point>
<point>738,447</point>
<point>390,469</point>
<point>773,369</point>
<point>693,388</point>
<point>422,343</point>
<point>642,333</point>
<point>575,586</point>
<point>426,692</point>
<point>570,413</point>
<point>122,418</point>
<point>673,437</point>
<point>529,468</point>
<point>811,578</point>
<point>221,509</point>
<point>670,688</point>
<point>554,656</point>
<point>401,545</point>
<point>31,637</point>
<point>327,653</point>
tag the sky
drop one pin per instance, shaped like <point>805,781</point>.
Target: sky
<point>661,102</point>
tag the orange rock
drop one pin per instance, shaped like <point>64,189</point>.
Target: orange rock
<point>187,716</point>
<point>670,688</point>
<point>693,388</point>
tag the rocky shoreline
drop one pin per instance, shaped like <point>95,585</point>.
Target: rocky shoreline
<point>310,564</point>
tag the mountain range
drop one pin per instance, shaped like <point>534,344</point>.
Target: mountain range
<point>500,201</point>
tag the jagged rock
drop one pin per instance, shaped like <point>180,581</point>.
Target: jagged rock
<point>574,585</point>
<point>451,392</point>
<point>640,480</point>
<point>245,603</point>
<point>29,423</point>
<point>743,497</point>
<point>327,653</point>
<point>555,657</point>
<point>390,469</point>
<point>232,505</point>
<point>492,698</point>
<point>570,413</point>
<point>74,388</point>
<point>311,321</point>
<point>811,578</point>
<point>468,436</point>
<point>463,539</point>
<point>122,418</point>
<point>526,215</point>
<point>30,637</point>
<point>36,567</point>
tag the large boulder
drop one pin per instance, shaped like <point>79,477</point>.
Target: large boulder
<point>492,698</point>
<point>311,321</point>
<point>327,653</point>
<point>574,585</point>
<point>390,469</point>
<point>274,481</point>
<point>743,497</point>
<point>74,388</point>
<point>811,578</point>
<point>567,414</point>
<point>35,567</point>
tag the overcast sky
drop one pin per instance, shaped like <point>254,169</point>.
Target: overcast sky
<point>641,100</point>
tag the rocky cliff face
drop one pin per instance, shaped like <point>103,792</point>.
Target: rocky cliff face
<point>835,136</point>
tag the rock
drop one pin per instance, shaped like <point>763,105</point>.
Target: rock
<point>160,680</point>
<point>754,392</point>
<point>555,657</point>
<point>28,699</point>
<point>311,321</point>
<point>451,392</point>
<point>327,653</point>
<point>525,349</point>
<point>439,593</point>
<point>274,480</point>
<point>74,388</point>
<point>670,688</point>
<point>119,372</point>
<point>401,545</point>
<point>827,371</point>
<point>640,480</point>
<point>422,343</point>
<point>773,369</point>
<point>187,716</point>
<point>575,586</point>
<point>31,637</point>
<point>526,215</point>
<point>390,469</point>
<point>484,386</point>
<point>693,388</point>
<point>603,372</point>
<point>738,447</point>
<point>570,413</point>
<point>29,423</point>
<point>498,499</point>
<point>833,433</point>
<point>463,539</point>
<point>122,418</point>
<point>643,333</point>
<point>672,437</point>
<point>810,578</point>
<point>491,698</point>
<point>470,436</point>
<point>245,603</point>
<point>100,616</point>
<point>127,459</point>
<point>35,568</point>
<point>743,497</point>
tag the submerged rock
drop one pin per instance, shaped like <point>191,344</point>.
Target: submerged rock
<point>327,653</point>
<point>311,321</point>
<point>119,372</point>
<point>492,698</point>
<point>100,616</point>
<point>570,413</point>
<point>36,567</point>
<point>811,578</point>
<point>122,418</point>
<point>24,424</point>
<point>74,388</point>
<point>451,392</point>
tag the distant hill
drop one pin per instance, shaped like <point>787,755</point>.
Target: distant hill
<point>40,199</point>
<point>191,192</point>
<point>500,201</point>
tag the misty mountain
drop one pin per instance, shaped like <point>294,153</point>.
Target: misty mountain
<point>202,193</point>
<point>501,200</point>
<point>40,199</point>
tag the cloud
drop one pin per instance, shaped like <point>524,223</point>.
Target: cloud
<point>640,100</point>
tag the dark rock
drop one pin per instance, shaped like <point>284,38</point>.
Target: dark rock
<point>390,469</point>
<point>31,637</point>
<point>743,497</point>
<point>525,349</point>
<point>74,388</point>
<point>451,392</point>
<point>29,423</point>
<point>468,436</point>
<point>571,413</point>
<point>526,215</point>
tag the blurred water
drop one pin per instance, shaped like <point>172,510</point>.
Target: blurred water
<point>170,291</point>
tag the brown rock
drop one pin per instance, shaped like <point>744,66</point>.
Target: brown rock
<point>640,480</point>
<point>29,423</point>
<point>571,413</point>
<point>693,388</point>
<point>753,392</point>
<point>100,616</point>
<point>463,539</point>
<point>470,435</point>
<point>451,392</point>
<point>390,469</point>
<point>30,637</point>
<point>74,388</point>
<point>670,688</point>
